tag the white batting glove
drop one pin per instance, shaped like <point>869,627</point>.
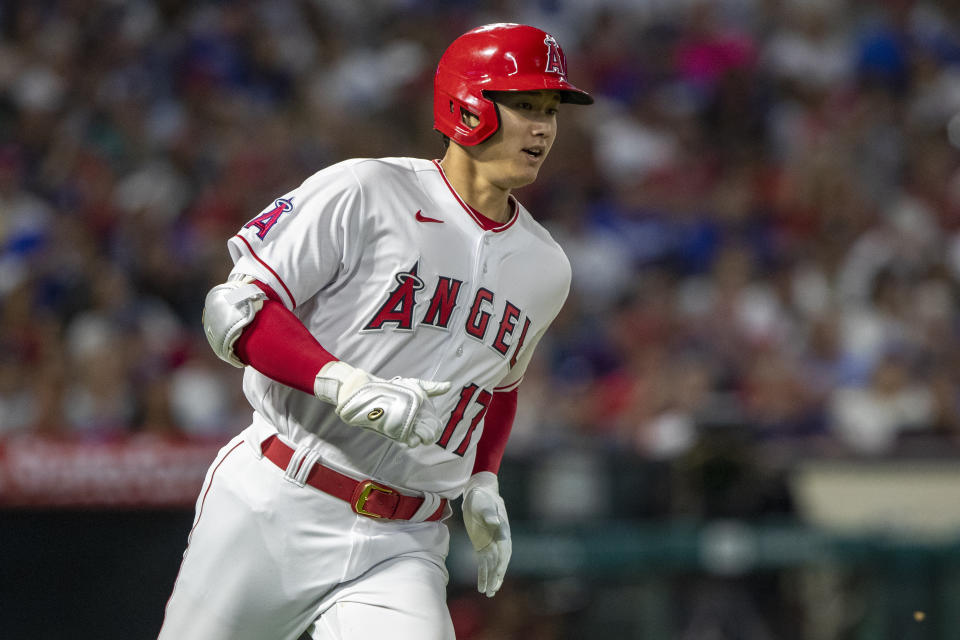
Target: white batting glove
<point>485,517</point>
<point>400,409</point>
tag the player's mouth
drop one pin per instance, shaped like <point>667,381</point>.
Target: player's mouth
<point>534,153</point>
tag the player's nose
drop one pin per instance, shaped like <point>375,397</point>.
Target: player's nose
<point>542,127</point>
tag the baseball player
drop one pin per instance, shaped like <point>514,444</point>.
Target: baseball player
<point>384,311</point>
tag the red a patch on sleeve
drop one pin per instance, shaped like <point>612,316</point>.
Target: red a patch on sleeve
<point>265,221</point>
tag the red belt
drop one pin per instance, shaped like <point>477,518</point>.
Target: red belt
<point>365,497</point>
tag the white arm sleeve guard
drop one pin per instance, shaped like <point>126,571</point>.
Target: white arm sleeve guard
<point>229,308</point>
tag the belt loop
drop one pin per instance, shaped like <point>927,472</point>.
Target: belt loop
<point>298,469</point>
<point>306,466</point>
<point>431,502</point>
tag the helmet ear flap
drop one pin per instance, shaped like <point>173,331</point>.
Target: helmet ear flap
<point>466,123</point>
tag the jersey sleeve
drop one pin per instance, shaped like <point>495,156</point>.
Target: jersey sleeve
<point>515,376</point>
<point>301,241</point>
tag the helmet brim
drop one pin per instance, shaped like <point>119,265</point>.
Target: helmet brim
<point>575,96</point>
<point>568,93</point>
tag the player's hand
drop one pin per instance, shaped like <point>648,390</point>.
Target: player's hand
<point>485,517</point>
<point>400,408</point>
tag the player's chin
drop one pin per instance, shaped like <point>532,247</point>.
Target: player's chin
<point>524,175</point>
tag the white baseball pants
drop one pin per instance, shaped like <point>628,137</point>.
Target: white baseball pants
<point>268,559</point>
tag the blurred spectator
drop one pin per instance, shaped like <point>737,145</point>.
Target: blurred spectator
<point>869,419</point>
<point>762,213</point>
<point>810,47</point>
<point>202,402</point>
<point>766,198</point>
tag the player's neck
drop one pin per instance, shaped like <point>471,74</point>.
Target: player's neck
<point>466,179</point>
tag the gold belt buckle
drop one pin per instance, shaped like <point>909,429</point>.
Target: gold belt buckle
<point>366,488</point>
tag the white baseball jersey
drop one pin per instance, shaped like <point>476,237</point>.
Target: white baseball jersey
<point>393,273</point>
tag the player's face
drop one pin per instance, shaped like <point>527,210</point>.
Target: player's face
<point>512,156</point>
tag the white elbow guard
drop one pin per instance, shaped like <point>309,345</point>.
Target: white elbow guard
<point>229,308</point>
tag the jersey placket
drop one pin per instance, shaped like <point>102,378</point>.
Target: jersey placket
<point>478,269</point>
<point>479,272</point>
<point>455,347</point>
<point>475,350</point>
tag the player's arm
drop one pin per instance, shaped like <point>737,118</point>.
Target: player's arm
<point>246,324</point>
<point>497,424</point>
<point>484,512</point>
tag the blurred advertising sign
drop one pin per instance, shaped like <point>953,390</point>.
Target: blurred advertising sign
<point>132,472</point>
<point>916,499</point>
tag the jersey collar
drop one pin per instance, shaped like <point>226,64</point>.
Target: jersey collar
<point>482,221</point>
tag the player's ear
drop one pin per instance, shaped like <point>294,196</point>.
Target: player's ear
<point>469,119</point>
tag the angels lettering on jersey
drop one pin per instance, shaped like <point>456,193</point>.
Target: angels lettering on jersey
<point>401,302</point>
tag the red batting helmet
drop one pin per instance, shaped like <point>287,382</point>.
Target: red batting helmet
<point>495,57</point>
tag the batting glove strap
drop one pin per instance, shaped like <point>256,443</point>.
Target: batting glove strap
<point>337,381</point>
<point>485,518</point>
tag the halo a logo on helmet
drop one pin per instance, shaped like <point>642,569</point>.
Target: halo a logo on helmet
<point>554,59</point>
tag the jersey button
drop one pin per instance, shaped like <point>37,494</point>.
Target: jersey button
<point>459,351</point>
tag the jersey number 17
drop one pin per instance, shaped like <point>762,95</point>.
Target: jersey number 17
<point>466,396</point>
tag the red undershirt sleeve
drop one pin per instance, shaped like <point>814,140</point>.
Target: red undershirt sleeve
<point>278,345</point>
<point>496,430</point>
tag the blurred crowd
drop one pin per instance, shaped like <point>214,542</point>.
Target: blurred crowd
<point>762,209</point>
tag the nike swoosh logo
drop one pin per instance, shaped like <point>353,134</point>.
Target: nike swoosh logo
<point>422,218</point>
